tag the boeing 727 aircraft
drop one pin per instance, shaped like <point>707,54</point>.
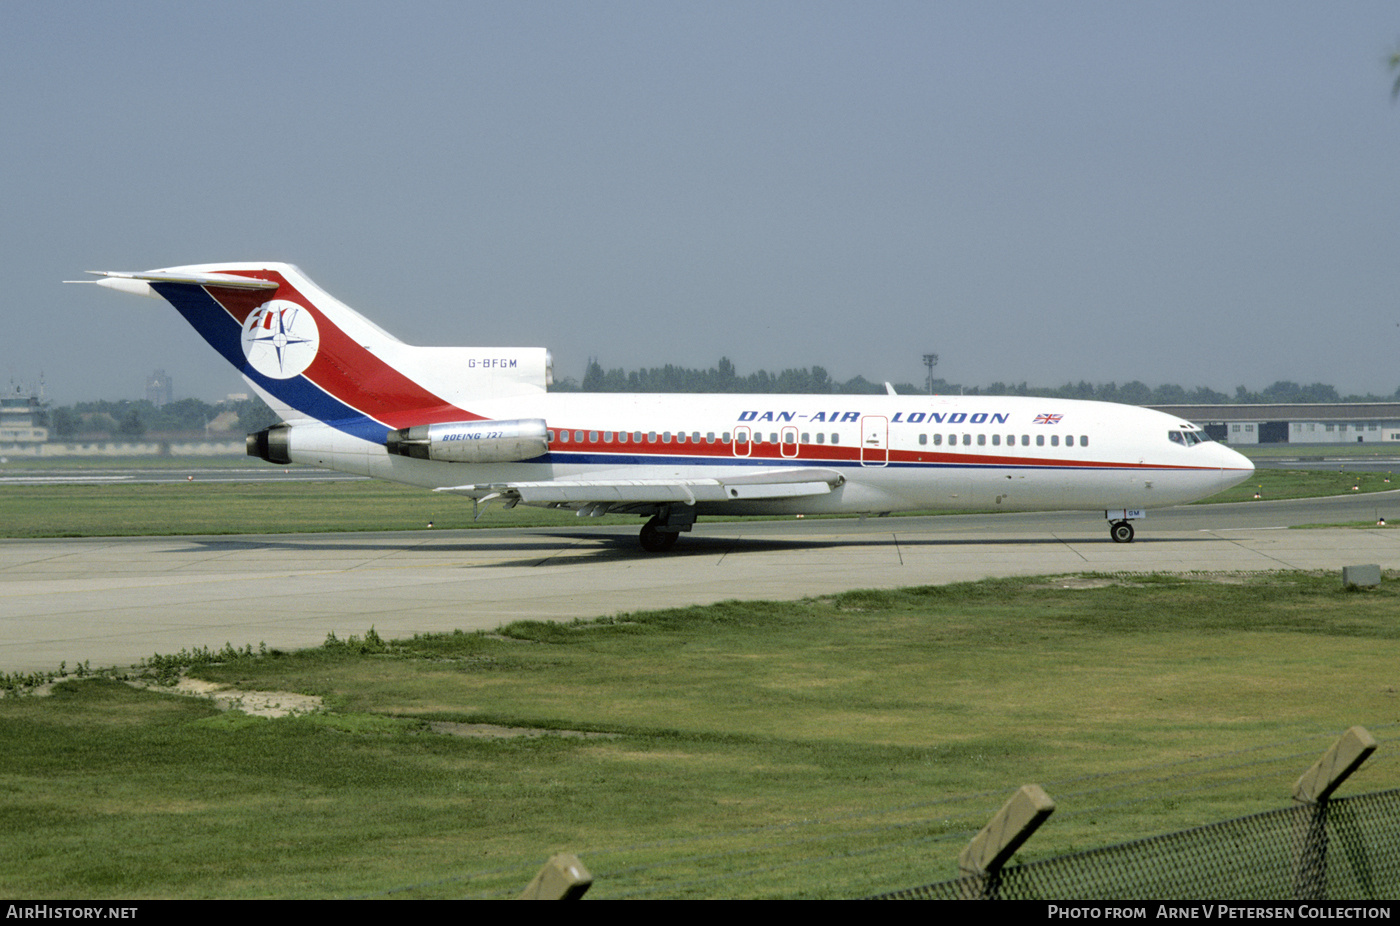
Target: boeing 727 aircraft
<point>479,422</point>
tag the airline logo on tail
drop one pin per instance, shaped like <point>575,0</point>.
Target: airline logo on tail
<point>280,339</point>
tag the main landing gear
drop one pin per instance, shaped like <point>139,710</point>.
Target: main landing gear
<point>1121,531</point>
<point>656,540</point>
<point>659,534</point>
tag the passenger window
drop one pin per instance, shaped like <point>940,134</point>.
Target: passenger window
<point>1054,440</point>
<point>821,437</point>
<point>981,440</point>
<point>996,440</point>
<point>938,440</point>
<point>923,440</point>
<point>967,440</point>
<point>593,437</point>
<point>1025,440</point>
<point>551,436</point>
<point>835,437</point>
<point>1040,440</point>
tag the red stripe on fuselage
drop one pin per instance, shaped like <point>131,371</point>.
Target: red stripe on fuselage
<point>833,453</point>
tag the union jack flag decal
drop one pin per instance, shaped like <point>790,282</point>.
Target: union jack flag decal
<point>1048,419</point>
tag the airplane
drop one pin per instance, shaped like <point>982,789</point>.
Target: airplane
<point>481,423</point>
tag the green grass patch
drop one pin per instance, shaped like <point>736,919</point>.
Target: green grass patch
<point>1278,484</point>
<point>1358,452</point>
<point>829,747</point>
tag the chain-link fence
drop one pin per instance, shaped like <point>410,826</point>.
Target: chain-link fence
<point>1342,849</point>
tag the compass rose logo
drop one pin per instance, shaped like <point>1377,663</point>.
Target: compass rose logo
<point>280,339</point>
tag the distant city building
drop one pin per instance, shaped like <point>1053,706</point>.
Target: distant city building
<point>160,390</point>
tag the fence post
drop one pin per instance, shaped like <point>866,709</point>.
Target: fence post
<point>992,848</point>
<point>1313,792</point>
<point>563,877</point>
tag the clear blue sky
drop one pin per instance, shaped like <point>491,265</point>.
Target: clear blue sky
<point>1205,193</point>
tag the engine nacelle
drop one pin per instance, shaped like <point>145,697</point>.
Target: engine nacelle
<point>472,441</point>
<point>272,444</point>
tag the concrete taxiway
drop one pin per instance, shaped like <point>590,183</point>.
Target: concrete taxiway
<point>115,601</point>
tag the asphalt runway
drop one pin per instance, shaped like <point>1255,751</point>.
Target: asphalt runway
<point>114,601</point>
<point>253,472</point>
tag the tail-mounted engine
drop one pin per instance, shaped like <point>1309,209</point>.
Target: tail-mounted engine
<point>472,441</point>
<point>272,444</point>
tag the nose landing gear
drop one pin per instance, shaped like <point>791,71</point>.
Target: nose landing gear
<point>1121,532</point>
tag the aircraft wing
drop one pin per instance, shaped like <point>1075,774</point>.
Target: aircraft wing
<point>780,483</point>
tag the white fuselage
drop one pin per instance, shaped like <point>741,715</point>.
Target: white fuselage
<point>897,453</point>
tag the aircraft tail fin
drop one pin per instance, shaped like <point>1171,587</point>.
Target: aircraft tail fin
<point>311,356</point>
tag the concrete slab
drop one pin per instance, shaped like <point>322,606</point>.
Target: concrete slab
<point>115,601</point>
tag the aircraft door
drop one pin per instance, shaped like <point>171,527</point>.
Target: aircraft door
<point>874,440</point>
<point>742,447</point>
<point>789,445</point>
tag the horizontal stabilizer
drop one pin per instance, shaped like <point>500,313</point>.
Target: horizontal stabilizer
<point>226,280</point>
<point>139,284</point>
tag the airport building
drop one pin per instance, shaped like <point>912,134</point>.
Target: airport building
<point>1329,423</point>
<point>20,430</point>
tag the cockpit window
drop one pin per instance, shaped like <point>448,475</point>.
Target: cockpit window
<point>1187,438</point>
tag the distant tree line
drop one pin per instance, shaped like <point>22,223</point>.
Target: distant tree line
<point>134,419</point>
<point>129,419</point>
<point>722,377</point>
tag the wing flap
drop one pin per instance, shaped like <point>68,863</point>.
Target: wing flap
<point>790,483</point>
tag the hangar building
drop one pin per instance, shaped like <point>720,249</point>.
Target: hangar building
<point>1329,423</point>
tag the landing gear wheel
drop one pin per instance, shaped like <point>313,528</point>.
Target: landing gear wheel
<point>655,540</point>
<point>1121,532</point>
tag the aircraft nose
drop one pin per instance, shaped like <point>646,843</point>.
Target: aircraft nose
<point>1235,467</point>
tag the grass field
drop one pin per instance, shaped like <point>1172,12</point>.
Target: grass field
<point>830,747</point>
<point>1359,452</point>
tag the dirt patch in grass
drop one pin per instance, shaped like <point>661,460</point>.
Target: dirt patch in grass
<point>496,731</point>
